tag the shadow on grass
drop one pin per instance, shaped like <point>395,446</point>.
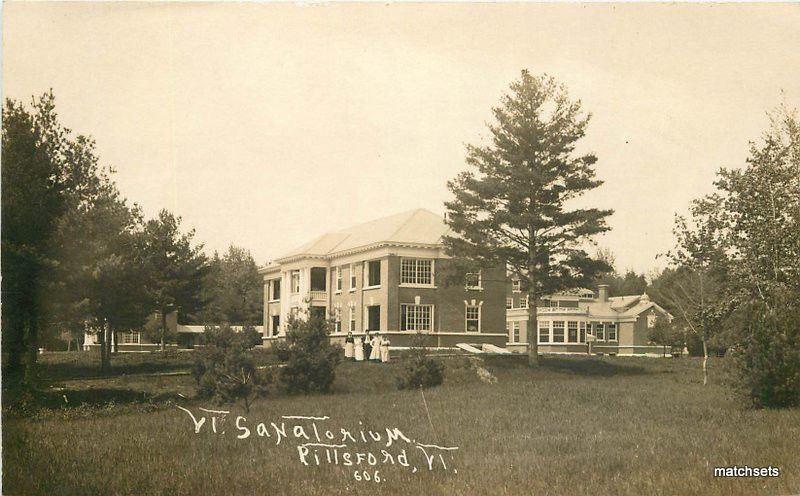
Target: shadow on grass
<point>584,366</point>
<point>62,371</point>
<point>26,402</point>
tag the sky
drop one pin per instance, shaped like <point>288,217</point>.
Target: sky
<point>266,125</point>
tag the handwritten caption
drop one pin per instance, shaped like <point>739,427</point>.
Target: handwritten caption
<point>319,442</point>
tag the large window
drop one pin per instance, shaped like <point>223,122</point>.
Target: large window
<point>338,279</point>
<point>372,275</point>
<point>295,281</point>
<point>611,329</point>
<point>131,337</point>
<point>352,319</point>
<point>509,303</point>
<point>523,301</point>
<point>599,331</point>
<point>544,331</point>
<point>353,279</point>
<point>513,333</point>
<point>572,332</point>
<point>472,317</point>
<point>319,279</point>
<point>373,318</point>
<point>276,289</point>
<point>415,317</point>
<point>416,271</point>
<point>558,331</point>
<point>582,336</point>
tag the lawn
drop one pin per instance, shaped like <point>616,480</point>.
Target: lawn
<point>575,426</point>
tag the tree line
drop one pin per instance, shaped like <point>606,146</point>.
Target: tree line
<point>76,255</point>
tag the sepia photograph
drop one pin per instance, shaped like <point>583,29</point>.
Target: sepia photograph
<point>400,248</point>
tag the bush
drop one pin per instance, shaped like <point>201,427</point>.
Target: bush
<point>768,360</point>
<point>225,368</point>
<point>420,371</point>
<point>310,359</point>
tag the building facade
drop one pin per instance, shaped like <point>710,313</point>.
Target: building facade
<point>388,275</point>
<point>571,321</point>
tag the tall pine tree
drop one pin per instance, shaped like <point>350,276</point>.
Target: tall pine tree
<point>513,205</point>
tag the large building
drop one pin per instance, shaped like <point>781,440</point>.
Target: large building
<point>568,321</point>
<point>386,275</point>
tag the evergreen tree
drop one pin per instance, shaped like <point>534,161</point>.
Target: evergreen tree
<point>174,269</point>
<point>514,206</point>
<point>46,172</point>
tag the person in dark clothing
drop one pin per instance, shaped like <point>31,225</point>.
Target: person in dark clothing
<point>367,345</point>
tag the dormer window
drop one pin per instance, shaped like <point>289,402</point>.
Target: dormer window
<point>516,285</point>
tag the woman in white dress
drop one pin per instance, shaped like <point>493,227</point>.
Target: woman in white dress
<point>349,346</point>
<point>375,354</point>
<point>385,351</point>
<point>358,349</point>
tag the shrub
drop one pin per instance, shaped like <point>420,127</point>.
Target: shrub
<point>225,368</point>
<point>420,371</point>
<point>310,359</point>
<point>768,360</point>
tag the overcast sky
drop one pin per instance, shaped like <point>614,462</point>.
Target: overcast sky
<point>265,125</point>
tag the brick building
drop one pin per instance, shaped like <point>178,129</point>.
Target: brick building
<point>567,321</point>
<point>386,275</point>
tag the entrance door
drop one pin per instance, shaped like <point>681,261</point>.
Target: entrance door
<point>374,318</point>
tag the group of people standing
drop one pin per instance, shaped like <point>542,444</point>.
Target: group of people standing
<point>374,348</point>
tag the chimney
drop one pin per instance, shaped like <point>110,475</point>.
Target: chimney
<point>602,292</point>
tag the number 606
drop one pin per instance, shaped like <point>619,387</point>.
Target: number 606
<point>364,475</point>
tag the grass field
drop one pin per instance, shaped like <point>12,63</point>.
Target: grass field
<point>574,426</point>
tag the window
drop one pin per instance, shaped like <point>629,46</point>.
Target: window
<point>319,279</point>
<point>516,285</point>
<point>558,331</point>
<point>582,337</point>
<point>416,271</point>
<point>473,280</point>
<point>599,332</point>
<point>651,320</point>
<point>276,289</point>
<point>509,303</point>
<point>372,273</point>
<point>295,281</point>
<point>572,331</point>
<point>276,324</point>
<point>352,277</point>
<point>611,328</point>
<point>523,302</point>
<point>337,320</point>
<point>544,331</point>
<point>415,317</point>
<point>374,318</point>
<point>338,279</point>
<point>131,337</point>
<point>352,320</point>
<point>472,317</point>
<point>513,334</point>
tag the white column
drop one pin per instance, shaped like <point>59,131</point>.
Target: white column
<point>286,292</point>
